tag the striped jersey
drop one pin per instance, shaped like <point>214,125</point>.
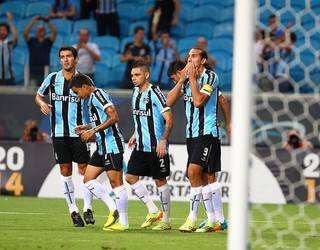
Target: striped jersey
<point>147,109</point>
<point>67,108</point>
<point>202,121</point>
<point>109,140</point>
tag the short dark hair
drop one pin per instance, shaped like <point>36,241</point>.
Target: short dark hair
<point>143,66</point>
<point>80,79</point>
<point>137,29</point>
<point>69,48</point>
<point>174,66</point>
<point>6,26</point>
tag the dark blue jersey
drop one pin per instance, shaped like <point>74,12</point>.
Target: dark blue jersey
<point>67,108</point>
<point>147,109</point>
<point>109,140</point>
<point>202,121</point>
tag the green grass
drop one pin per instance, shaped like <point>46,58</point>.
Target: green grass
<point>34,223</point>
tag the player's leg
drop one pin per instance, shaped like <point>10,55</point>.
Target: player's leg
<point>115,176</point>
<point>138,165</point>
<point>63,157</point>
<point>160,170</point>
<point>81,155</point>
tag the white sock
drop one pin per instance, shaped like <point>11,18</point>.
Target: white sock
<point>68,190</point>
<point>207,202</point>
<point>216,201</point>
<point>87,196</point>
<point>100,192</point>
<point>195,197</point>
<point>122,204</point>
<point>142,193</point>
<point>165,196</point>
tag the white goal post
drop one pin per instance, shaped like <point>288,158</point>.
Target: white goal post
<point>241,129</point>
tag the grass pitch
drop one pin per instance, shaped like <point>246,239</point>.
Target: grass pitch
<point>38,223</point>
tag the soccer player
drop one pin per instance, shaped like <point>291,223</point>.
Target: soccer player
<point>66,112</point>
<point>200,87</point>
<point>109,154</point>
<point>153,122</point>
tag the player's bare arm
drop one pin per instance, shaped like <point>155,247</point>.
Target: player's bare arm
<point>132,141</point>
<point>111,120</point>
<point>44,107</point>
<point>81,128</point>
<point>199,98</point>
<point>226,113</point>
<point>161,147</point>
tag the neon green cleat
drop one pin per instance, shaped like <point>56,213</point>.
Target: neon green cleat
<point>188,226</point>
<point>162,226</point>
<point>113,216</point>
<point>208,227</point>
<point>116,227</point>
<point>151,218</point>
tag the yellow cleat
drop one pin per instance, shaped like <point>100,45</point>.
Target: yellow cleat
<point>188,226</point>
<point>116,227</point>
<point>113,216</point>
<point>162,226</point>
<point>151,218</point>
<point>208,227</point>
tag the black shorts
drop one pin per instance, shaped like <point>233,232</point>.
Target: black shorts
<point>70,149</point>
<point>148,164</point>
<point>108,161</point>
<point>205,151</point>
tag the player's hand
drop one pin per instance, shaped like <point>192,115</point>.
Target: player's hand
<point>191,71</point>
<point>9,16</point>
<point>45,108</point>
<point>132,142</point>
<point>80,129</point>
<point>86,135</point>
<point>161,148</point>
<point>228,129</point>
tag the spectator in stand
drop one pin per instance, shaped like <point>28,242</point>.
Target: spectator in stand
<point>276,54</point>
<point>63,9</point>
<point>32,133</point>
<point>202,43</point>
<point>107,18</point>
<point>165,53</point>
<point>170,10</point>
<point>6,46</point>
<point>39,48</point>
<point>88,54</point>
<point>87,7</point>
<point>135,51</point>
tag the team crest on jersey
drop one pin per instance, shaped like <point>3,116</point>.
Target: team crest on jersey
<point>146,100</point>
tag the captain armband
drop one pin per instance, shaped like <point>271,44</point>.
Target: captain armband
<point>208,88</point>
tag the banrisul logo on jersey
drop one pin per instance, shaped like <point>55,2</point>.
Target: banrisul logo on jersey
<point>64,98</point>
<point>139,112</point>
<point>187,98</point>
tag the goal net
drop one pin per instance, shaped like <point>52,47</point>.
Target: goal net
<point>285,123</point>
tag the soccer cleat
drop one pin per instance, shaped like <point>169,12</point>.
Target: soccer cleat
<point>77,220</point>
<point>208,227</point>
<point>151,218</point>
<point>188,226</point>
<point>113,216</point>
<point>203,222</point>
<point>88,217</point>
<point>221,226</point>
<point>116,227</point>
<point>162,226</point>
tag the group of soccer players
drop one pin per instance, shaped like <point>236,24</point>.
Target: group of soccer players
<point>153,120</point>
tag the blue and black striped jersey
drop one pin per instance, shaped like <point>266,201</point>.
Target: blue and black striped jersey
<point>147,109</point>
<point>109,140</point>
<point>67,108</point>
<point>202,121</point>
